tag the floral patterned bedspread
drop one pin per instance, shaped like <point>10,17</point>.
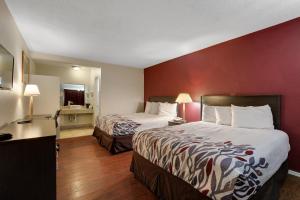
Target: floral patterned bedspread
<point>117,125</point>
<point>216,160</point>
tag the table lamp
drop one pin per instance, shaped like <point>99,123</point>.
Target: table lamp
<point>31,90</point>
<point>184,98</point>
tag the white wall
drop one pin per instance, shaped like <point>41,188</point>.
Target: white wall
<point>122,88</point>
<point>95,83</point>
<point>48,102</point>
<point>65,72</point>
<point>13,105</point>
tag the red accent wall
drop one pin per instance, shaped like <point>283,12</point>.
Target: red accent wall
<point>264,62</point>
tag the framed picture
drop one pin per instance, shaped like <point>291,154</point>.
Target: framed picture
<point>25,68</point>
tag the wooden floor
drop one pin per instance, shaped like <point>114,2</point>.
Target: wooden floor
<point>87,171</point>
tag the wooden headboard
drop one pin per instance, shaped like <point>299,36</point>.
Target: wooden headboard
<point>259,100</point>
<point>169,99</point>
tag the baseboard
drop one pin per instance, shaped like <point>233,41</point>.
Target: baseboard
<point>294,173</point>
<point>75,126</point>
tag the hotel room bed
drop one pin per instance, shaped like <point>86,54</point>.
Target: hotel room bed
<point>114,132</point>
<point>203,160</point>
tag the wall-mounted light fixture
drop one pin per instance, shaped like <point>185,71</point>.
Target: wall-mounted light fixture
<point>76,67</point>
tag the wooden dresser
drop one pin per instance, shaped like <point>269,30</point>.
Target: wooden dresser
<point>28,161</point>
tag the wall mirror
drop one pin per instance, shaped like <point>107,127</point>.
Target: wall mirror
<point>73,94</point>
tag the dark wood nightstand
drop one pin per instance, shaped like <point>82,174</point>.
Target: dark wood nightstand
<point>174,123</point>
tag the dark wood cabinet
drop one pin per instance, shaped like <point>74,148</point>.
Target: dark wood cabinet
<point>28,161</point>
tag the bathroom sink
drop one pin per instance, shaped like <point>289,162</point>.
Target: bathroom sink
<point>75,106</point>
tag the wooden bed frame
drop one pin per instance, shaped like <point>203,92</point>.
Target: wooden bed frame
<point>167,186</point>
<point>118,144</point>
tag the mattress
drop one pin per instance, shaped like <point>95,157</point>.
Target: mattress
<point>219,161</point>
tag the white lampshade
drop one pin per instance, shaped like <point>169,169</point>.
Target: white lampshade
<point>31,90</point>
<point>184,98</point>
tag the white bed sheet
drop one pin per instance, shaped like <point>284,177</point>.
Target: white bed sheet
<point>271,144</point>
<point>149,121</point>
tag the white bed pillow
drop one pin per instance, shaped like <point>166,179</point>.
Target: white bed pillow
<point>223,115</point>
<point>167,109</point>
<point>154,108</point>
<point>148,107</point>
<point>259,117</point>
<point>208,113</point>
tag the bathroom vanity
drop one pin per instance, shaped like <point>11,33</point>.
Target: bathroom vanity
<point>76,116</point>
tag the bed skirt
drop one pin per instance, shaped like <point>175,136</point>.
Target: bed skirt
<point>114,144</point>
<point>167,186</point>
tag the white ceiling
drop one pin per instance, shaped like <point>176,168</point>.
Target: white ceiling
<point>141,33</point>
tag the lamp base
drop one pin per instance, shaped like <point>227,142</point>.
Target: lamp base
<point>183,111</point>
<point>31,107</point>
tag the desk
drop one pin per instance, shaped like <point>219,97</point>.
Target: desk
<point>28,161</point>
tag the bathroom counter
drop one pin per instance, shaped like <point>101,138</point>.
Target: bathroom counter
<point>76,117</point>
<point>70,111</point>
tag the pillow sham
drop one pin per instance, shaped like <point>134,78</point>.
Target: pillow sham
<point>148,107</point>
<point>259,117</point>
<point>167,109</point>
<point>208,113</point>
<point>223,115</point>
<point>154,108</point>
